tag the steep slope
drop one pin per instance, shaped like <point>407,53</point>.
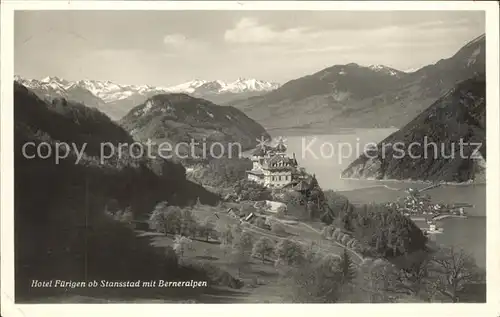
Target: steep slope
<point>419,89</point>
<point>311,101</point>
<point>457,117</point>
<point>61,230</point>
<point>356,96</point>
<point>177,118</point>
<point>117,109</point>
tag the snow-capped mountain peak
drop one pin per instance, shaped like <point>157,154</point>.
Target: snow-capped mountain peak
<point>108,91</point>
<point>54,79</point>
<point>244,84</point>
<point>188,87</point>
<point>218,86</point>
<point>376,67</point>
<point>386,69</point>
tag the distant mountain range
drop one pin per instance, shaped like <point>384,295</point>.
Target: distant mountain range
<point>116,100</point>
<point>355,96</point>
<point>340,96</point>
<point>459,115</point>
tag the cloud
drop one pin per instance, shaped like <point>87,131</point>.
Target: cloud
<point>175,40</point>
<point>179,42</point>
<point>249,31</point>
<point>324,49</point>
<point>306,39</point>
<point>443,24</point>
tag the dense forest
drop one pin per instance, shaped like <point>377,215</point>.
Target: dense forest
<point>221,173</point>
<point>61,230</point>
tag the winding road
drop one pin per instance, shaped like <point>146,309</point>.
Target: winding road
<point>332,247</point>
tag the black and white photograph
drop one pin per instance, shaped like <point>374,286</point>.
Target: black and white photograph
<point>197,155</point>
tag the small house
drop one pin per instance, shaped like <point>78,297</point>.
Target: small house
<point>249,217</point>
<point>270,206</point>
<point>232,212</point>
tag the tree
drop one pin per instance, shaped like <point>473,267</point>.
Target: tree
<point>453,269</point>
<point>261,223</point>
<point>292,198</point>
<point>413,276</point>
<point>335,205</point>
<point>225,234</point>
<point>171,257</point>
<point>223,172</point>
<point>375,282</point>
<point>226,237</point>
<point>242,247</point>
<point>383,230</point>
<point>311,252</point>
<point>278,228</point>
<point>236,230</point>
<point>127,216</point>
<point>382,281</point>
<point>346,268</point>
<point>327,232</point>
<point>239,257</point>
<point>206,229</point>
<point>261,204</point>
<point>315,193</point>
<point>280,213</point>
<point>315,281</point>
<point>157,217</point>
<point>289,252</point>
<point>263,248</point>
<point>312,210</point>
<point>188,223</point>
<point>249,190</point>
<point>247,209</point>
<point>162,205</point>
<point>157,221</point>
<point>254,195</point>
<point>181,244</point>
<point>244,242</point>
<point>173,219</point>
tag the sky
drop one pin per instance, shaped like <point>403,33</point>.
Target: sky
<point>164,48</point>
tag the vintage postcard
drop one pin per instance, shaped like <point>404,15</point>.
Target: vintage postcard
<point>251,153</point>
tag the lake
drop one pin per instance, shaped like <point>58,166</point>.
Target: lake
<point>327,156</point>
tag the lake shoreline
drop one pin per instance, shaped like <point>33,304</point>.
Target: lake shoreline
<point>410,181</point>
<point>464,233</point>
